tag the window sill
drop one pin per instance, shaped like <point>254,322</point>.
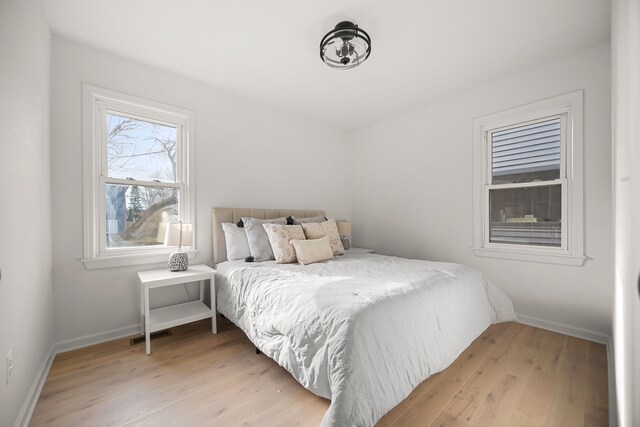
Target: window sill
<point>546,258</point>
<point>113,261</point>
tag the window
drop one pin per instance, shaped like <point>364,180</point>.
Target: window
<point>138,177</point>
<point>528,200</point>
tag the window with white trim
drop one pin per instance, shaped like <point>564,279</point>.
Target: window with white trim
<point>528,201</point>
<point>138,177</point>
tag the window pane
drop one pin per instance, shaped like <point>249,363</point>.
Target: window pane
<point>526,216</point>
<point>137,215</point>
<point>140,150</point>
<point>526,153</point>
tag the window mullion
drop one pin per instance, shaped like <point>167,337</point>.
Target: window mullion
<point>102,215</point>
<point>182,155</point>
<point>140,115</point>
<point>566,224</point>
<point>525,184</point>
<point>101,135</point>
<point>121,181</point>
<point>565,169</point>
<point>489,160</point>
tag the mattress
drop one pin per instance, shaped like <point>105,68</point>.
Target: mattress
<point>362,330</point>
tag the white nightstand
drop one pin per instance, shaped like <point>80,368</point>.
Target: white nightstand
<point>359,251</point>
<point>174,315</point>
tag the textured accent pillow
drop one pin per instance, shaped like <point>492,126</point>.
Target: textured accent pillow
<point>310,251</point>
<point>236,241</point>
<point>279,237</point>
<point>307,220</point>
<point>328,228</point>
<point>257,237</point>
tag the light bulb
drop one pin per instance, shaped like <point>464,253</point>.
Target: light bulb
<point>338,45</point>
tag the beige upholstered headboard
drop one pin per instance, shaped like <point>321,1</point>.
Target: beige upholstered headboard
<point>220,215</point>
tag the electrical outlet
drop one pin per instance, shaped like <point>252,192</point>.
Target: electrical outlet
<point>9,365</point>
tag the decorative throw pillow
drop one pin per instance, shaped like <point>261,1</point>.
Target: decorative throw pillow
<point>307,220</point>
<point>236,241</point>
<point>310,251</point>
<point>328,228</point>
<point>257,237</point>
<point>279,237</point>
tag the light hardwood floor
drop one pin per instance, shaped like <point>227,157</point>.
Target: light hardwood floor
<point>513,375</point>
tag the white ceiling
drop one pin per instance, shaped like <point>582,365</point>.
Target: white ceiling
<point>268,51</point>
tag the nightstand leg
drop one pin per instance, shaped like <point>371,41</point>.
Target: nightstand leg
<point>212,290</point>
<point>147,333</point>
<point>141,310</point>
<point>201,290</point>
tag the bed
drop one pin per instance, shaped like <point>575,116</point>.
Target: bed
<point>362,330</point>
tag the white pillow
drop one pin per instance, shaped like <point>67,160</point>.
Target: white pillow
<point>236,241</point>
<point>310,251</point>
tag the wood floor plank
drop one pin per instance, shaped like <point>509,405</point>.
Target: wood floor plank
<point>213,398</point>
<point>534,404</point>
<point>467,400</point>
<point>147,383</point>
<point>569,397</point>
<point>196,378</point>
<point>499,404</point>
<point>526,350</point>
<point>597,404</point>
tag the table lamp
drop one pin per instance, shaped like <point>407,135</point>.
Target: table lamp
<point>178,234</point>
<point>344,229</point>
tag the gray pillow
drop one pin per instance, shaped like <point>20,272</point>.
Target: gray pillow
<point>258,238</point>
<point>314,219</point>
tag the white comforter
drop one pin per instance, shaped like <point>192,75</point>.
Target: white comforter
<point>362,330</point>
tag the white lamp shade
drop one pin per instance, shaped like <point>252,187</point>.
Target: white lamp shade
<point>179,234</point>
<point>344,228</point>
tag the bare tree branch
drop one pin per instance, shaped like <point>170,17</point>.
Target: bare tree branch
<point>152,209</point>
<point>169,147</point>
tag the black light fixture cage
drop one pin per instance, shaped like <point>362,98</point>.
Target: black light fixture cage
<point>345,47</point>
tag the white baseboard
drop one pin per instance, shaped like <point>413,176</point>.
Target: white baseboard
<point>87,340</point>
<point>565,329</point>
<point>24,416</point>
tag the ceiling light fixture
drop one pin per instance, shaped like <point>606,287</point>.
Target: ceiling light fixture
<point>346,46</point>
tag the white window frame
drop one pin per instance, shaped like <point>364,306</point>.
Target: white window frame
<point>569,107</point>
<point>96,103</point>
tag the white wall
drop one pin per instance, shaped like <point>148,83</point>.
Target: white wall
<point>247,155</point>
<point>625,42</point>
<point>25,200</point>
<point>412,189</point>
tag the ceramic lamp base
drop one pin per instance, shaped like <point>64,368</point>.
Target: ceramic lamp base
<point>178,261</point>
<point>346,243</point>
